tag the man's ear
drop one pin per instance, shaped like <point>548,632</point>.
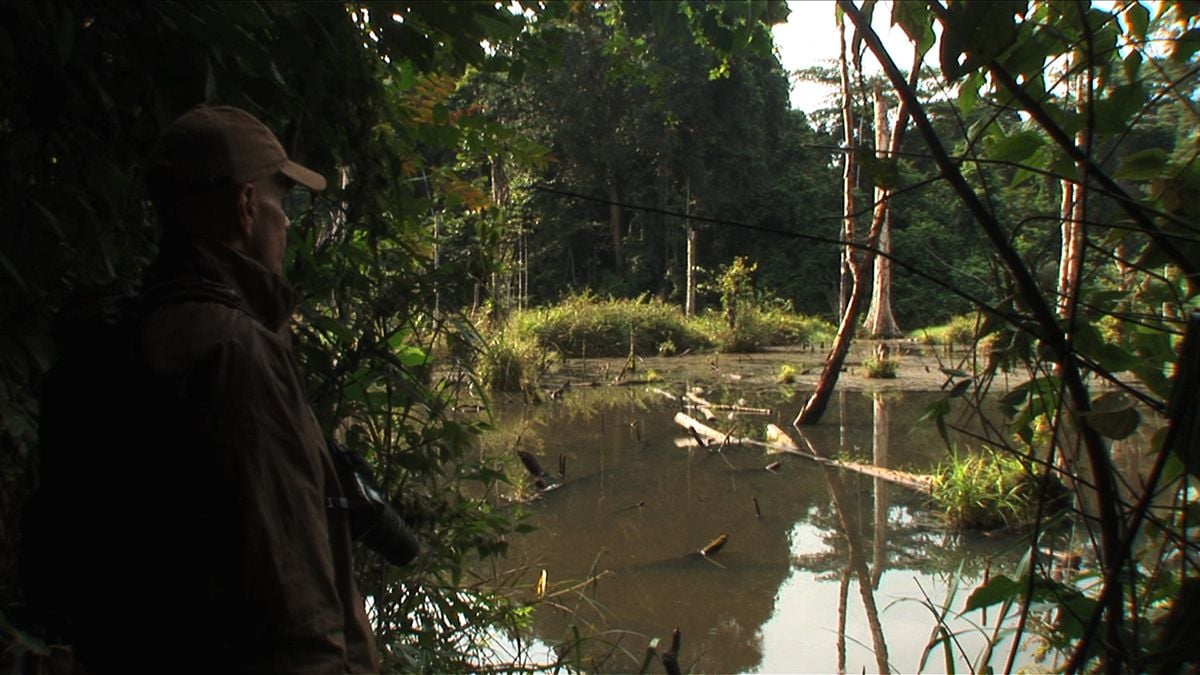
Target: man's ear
<point>246,205</point>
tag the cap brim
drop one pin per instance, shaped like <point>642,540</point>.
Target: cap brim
<point>303,175</point>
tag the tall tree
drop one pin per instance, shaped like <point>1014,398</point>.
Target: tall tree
<point>880,322</point>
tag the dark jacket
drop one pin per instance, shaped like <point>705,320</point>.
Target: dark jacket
<point>245,569</point>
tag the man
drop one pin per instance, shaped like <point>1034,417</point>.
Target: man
<point>216,545</point>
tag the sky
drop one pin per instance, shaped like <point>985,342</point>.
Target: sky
<point>810,38</point>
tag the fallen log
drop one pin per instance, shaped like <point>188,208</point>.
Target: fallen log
<point>698,428</point>
<point>728,407</point>
<point>912,481</point>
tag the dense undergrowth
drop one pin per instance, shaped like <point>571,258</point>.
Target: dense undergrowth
<point>515,351</point>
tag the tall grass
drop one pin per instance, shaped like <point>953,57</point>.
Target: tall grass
<point>959,330</point>
<point>584,325</point>
<point>985,490</point>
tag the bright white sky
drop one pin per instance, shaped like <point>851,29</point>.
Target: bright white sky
<point>810,38</point>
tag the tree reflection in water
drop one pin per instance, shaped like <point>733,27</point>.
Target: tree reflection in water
<point>779,576</point>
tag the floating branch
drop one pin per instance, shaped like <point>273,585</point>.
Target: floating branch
<point>589,581</point>
<point>713,547</point>
<point>757,510</point>
<point>912,481</point>
<point>779,437</point>
<point>708,433</point>
<point>774,466</point>
<point>650,654</point>
<point>664,393</point>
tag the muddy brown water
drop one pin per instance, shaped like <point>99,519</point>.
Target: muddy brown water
<point>833,572</point>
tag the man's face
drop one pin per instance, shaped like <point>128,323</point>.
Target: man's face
<point>268,235</point>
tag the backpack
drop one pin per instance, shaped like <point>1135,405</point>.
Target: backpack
<point>81,405</point>
<point>74,559</point>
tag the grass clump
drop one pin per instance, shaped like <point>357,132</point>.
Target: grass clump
<point>787,374</point>
<point>759,327</point>
<point>584,325</point>
<point>985,490</point>
<point>509,361</point>
<point>958,330</point>
<point>881,367</point>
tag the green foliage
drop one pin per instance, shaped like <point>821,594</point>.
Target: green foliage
<point>959,330</point>
<point>984,490</point>
<point>736,283</point>
<point>586,326</point>
<point>787,374</point>
<point>510,361</point>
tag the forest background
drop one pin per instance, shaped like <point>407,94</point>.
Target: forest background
<point>489,161</point>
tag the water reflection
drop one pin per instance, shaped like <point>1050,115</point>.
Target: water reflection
<point>778,597</point>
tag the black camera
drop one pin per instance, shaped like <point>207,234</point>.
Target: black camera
<point>373,521</point>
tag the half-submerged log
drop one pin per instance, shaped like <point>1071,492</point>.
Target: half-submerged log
<point>712,435</point>
<point>912,481</point>
<point>531,464</point>
<point>670,658</point>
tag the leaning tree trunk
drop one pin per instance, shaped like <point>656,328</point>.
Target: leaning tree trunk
<point>816,404</point>
<point>881,323</point>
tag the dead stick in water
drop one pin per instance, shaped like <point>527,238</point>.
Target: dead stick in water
<point>757,510</point>
<point>590,580</point>
<point>715,546</point>
<point>670,658</point>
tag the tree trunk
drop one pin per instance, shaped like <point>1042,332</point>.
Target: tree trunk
<point>845,278</point>
<point>816,404</point>
<point>690,302</point>
<point>1070,260</point>
<point>614,221</point>
<point>881,323</point>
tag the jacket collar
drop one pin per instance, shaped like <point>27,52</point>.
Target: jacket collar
<point>216,267</point>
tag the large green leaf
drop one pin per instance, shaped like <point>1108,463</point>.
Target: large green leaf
<point>1015,147</point>
<point>1142,165</point>
<point>998,589</point>
<point>1114,416</point>
<point>917,22</point>
<point>974,33</point>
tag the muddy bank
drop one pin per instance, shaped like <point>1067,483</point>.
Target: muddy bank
<point>920,369</point>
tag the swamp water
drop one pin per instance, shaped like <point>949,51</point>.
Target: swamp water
<point>822,570</point>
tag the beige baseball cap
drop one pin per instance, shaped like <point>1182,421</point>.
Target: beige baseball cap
<point>223,143</point>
